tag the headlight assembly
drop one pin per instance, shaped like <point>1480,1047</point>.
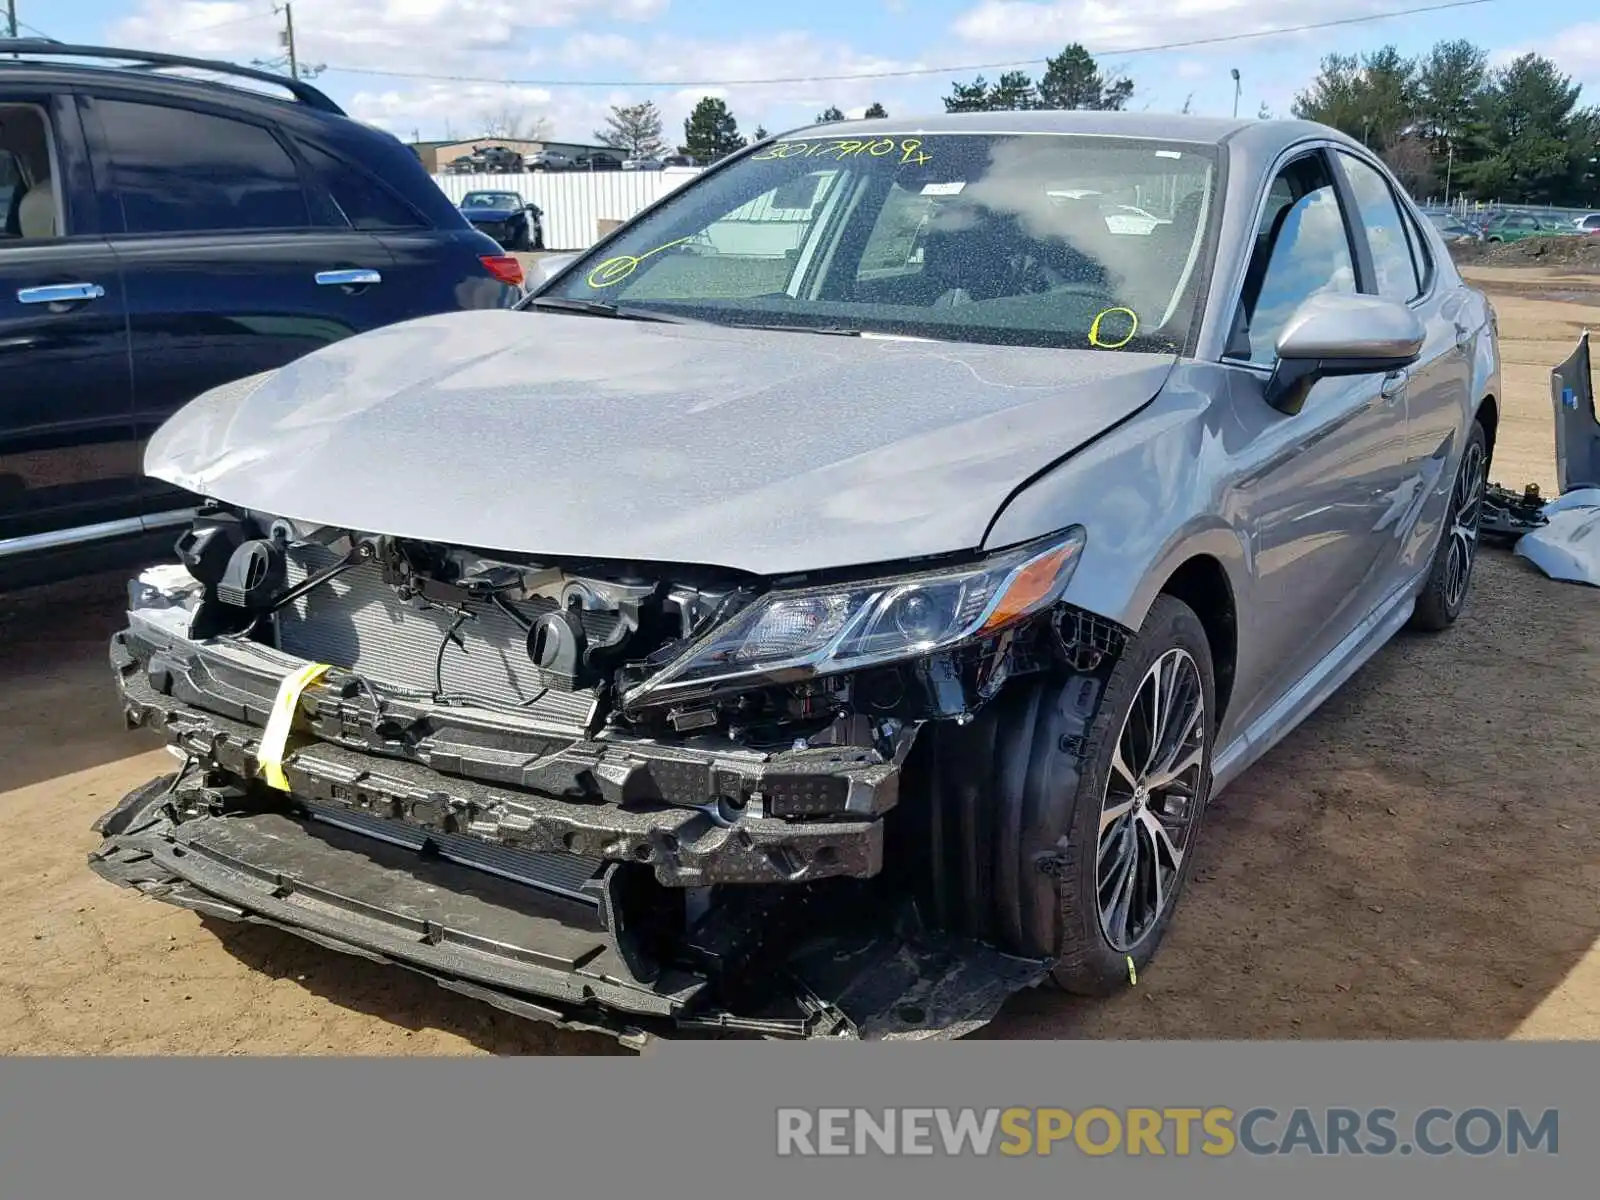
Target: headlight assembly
<point>789,635</point>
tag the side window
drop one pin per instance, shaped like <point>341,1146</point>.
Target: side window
<point>1301,249</point>
<point>29,204</point>
<point>1396,273</point>
<point>365,201</point>
<point>177,170</point>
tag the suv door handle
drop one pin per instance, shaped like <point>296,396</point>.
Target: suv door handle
<point>1394,385</point>
<point>350,277</point>
<point>60,293</point>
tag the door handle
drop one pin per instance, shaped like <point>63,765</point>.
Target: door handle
<point>60,293</point>
<point>349,277</point>
<point>1394,386</point>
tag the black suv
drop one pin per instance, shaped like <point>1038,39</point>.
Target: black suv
<point>165,234</point>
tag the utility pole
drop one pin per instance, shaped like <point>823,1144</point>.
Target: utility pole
<point>11,18</point>
<point>1238,88</point>
<point>287,36</point>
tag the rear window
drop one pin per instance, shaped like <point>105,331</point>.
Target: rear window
<point>176,170</point>
<point>365,201</point>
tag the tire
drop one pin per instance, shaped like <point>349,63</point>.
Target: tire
<point>1007,810</point>
<point>1444,595</point>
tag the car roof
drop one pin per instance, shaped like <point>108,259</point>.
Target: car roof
<point>1252,136</point>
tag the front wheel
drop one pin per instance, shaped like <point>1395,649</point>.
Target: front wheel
<point>1062,823</point>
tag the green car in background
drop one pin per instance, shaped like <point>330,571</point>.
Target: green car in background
<point>1514,227</point>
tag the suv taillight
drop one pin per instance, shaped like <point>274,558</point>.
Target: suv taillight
<point>503,267</point>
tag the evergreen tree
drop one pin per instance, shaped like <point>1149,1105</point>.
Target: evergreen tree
<point>1073,80</point>
<point>710,132</point>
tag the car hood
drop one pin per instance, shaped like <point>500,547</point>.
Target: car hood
<point>557,435</point>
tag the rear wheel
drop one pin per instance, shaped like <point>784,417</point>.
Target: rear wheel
<point>1061,823</point>
<point>1445,594</point>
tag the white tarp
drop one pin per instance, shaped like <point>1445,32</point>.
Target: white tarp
<point>1569,546</point>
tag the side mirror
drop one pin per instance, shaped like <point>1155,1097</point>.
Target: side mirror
<point>1335,334</point>
<point>547,268</point>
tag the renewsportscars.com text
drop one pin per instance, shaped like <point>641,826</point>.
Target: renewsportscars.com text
<point>1178,1132</point>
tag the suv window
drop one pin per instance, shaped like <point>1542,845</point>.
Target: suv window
<point>1302,248</point>
<point>177,170</point>
<point>364,201</point>
<point>29,204</point>
<point>1396,273</point>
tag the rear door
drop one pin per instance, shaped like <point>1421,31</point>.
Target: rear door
<point>231,263</point>
<point>69,463</point>
<point>430,270</point>
<point>1437,384</point>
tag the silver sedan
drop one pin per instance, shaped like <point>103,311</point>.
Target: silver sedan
<point>869,513</point>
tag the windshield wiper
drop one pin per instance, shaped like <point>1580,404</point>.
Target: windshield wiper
<point>829,330</point>
<point>599,308</point>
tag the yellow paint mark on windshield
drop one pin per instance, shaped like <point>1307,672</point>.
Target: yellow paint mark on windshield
<point>910,149</point>
<point>1133,327</point>
<point>614,270</point>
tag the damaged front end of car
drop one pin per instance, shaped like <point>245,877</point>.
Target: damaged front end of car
<point>642,799</point>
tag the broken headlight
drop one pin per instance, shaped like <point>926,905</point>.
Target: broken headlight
<point>787,635</point>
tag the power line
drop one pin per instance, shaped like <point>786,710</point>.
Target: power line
<point>228,24</point>
<point>1189,44</point>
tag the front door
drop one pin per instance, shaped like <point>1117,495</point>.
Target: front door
<point>1323,508</point>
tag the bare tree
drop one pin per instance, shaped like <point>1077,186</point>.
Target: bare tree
<point>635,128</point>
<point>513,124</point>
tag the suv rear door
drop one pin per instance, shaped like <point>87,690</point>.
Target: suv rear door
<point>69,463</point>
<point>231,262</point>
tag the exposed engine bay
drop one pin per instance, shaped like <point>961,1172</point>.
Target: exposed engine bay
<point>593,793</point>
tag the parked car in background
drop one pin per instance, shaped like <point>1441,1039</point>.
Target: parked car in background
<point>1515,226</point>
<point>1452,227</point>
<point>166,235</point>
<point>597,160</point>
<point>641,164</point>
<point>547,160</point>
<point>680,160</point>
<point>506,217</point>
<point>825,643</point>
<point>1588,224</point>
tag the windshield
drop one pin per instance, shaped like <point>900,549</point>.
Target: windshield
<point>1036,240</point>
<point>492,200</point>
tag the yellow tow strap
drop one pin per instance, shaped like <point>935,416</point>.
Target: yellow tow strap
<point>276,739</point>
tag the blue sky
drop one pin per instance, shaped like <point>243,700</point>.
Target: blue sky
<point>378,51</point>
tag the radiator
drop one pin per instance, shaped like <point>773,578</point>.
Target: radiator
<point>357,621</point>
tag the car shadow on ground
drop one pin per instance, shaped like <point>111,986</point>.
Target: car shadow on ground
<point>398,996</point>
<point>59,701</point>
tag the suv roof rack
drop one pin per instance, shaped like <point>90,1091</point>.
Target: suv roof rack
<point>153,60</point>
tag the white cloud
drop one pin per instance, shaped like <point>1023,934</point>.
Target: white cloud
<point>462,36</point>
<point>1576,50</point>
<point>607,40</point>
<point>1136,23</point>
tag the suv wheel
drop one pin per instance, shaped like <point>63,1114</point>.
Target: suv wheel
<point>1061,824</point>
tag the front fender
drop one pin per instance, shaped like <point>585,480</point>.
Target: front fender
<point>1151,495</point>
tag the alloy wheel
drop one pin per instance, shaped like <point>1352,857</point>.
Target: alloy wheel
<point>1466,510</point>
<point>1153,792</point>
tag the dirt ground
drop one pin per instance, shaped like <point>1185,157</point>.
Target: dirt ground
<point>1420,859</point>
